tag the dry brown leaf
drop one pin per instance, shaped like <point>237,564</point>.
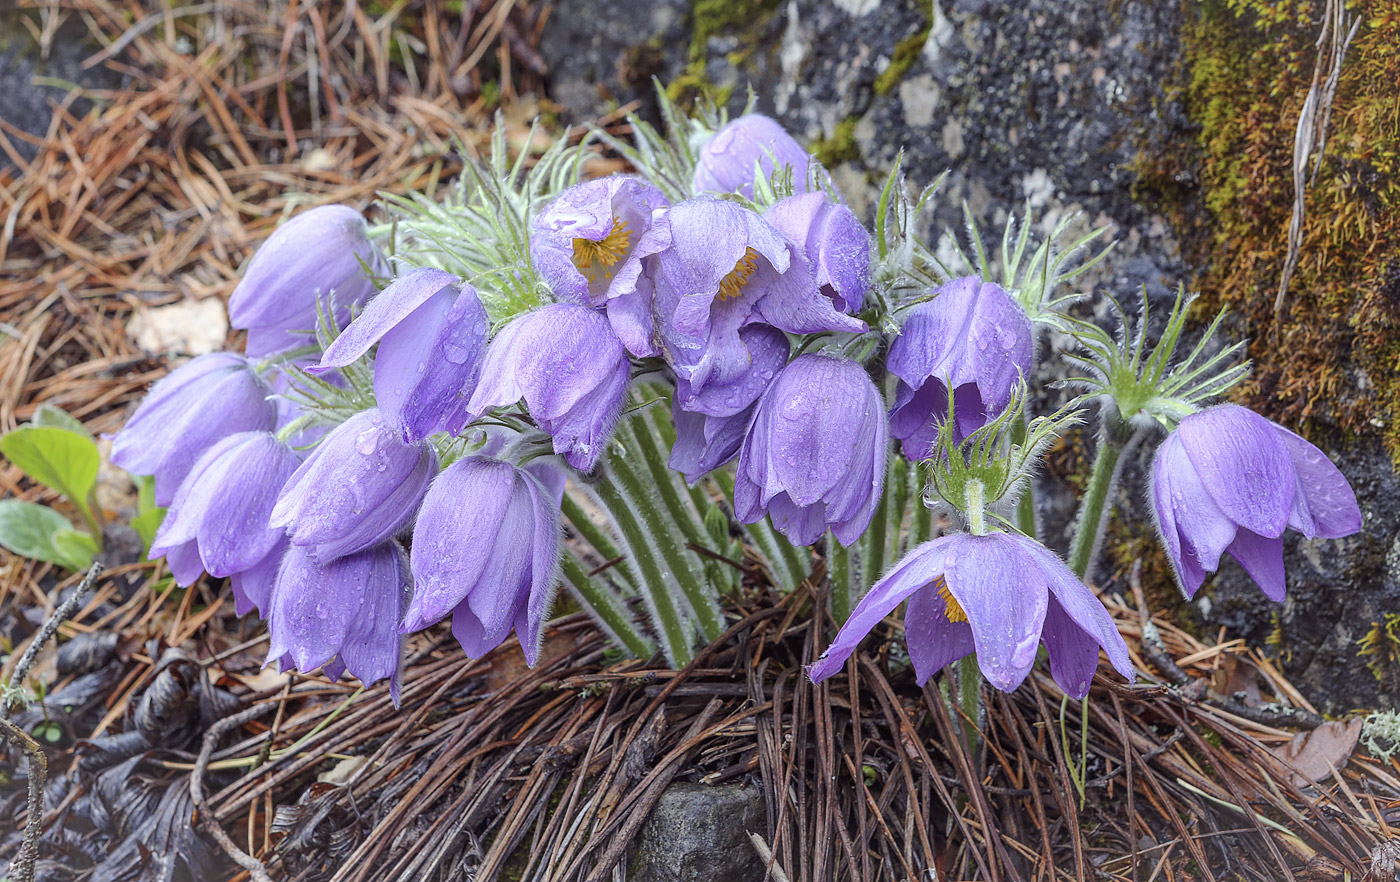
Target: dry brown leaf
<point>1309,754</point>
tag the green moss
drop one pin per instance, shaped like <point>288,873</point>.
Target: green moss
<point>906,52</point>
<point>713,18</point>
<point>1248,66</point>
<point>840,147</point>
<point>1381,647</point>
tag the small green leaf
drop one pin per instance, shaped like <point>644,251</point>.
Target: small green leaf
<point>146,524</point>
<point>63,460</point>
<point>53,416</point>
<point>75,547</point>
<point>145,494</point>
<point>28,530</point>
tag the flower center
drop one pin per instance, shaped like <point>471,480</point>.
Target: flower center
<point>605,252</point>
<point>951,608</point>
<point>732,285</point>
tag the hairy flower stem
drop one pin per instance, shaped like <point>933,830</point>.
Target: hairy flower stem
<point>1025,505</point>
<point>669,518</point>
<point>650,573</point>
<point>1094,509</point>
<point>970,701</point>
<point>839,575</point>
<point>593,534</point>
<point>607,607</point>
<point>787,568</point>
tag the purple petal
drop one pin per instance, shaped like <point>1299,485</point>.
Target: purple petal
<point>1002,590</point>
<point>1324,504</point>
<point>252,588</point>
<point>312,606</point>
<point>934,642</point>
<point>184,563</point>
<point>239,402</point>
<point>1074,599</point>
<point>373,648</point>
<point>140,444</point>
<point>1262,558</point>
<point>544,570</point>
<point>395,304</point>
<point>1243,464</point>
<point>1194,531</point>
<point>919,568</point>
<point>1074,655</point>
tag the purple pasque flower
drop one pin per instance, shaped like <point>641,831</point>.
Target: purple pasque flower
<point>834,241</point>
<point>589,246</point>
<point>359,487</point>
<point>316,259</point>
<point>727,268</point>
<point>814,456</point>
<point>431,330</point>
<point>186,413</point>
<point>1228,480</point>
<point>1000,595</point>
<point>570,368</point>
<point>486,551</point>
<point>710,425</point>
<point>342,614</point>
<point>224,504</point>
<point>727,161</point>
<point>252,588</point>
<point>972,341</point>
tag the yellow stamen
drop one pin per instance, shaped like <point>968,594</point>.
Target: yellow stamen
<point>732,285</point>
<point>605,252</point>
<point>951,609</point>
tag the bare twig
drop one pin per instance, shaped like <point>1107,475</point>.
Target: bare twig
<point>13,694</point>
<point>207,821</point>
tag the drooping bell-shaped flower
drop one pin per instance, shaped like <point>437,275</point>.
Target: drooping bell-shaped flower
<point>710,425</point>
<point>431,330</point>
<point>359,487</point>
<point>186,413</point>
<point>317,259</point>
<point>252,588</point>
<point>343,614</point>
<point>973,342</point>
<point>589,246</point>
<point>485,551</point>
<point>727,268</point>
<point>1229,480</point>
<point>834,241</point>
<point>728,161</point>
<point>570,368</point>
<point>1000,595</point>
<point>815,452</point>
<point>225,504</point>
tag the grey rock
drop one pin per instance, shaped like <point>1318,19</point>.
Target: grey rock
<point>700,833</point>
<point>26,104</point>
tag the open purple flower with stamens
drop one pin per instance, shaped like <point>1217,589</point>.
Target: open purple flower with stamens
<point>186,413</point>
<point>315,260</point>
<point>491,563</point>
<point>589,245</point>
<point>358,488</point>
<point>224,505</point>
<point>972,341</point>
<point>1000,595</point>
<point>815,452</point>
<point>570,368</point>
<point>834,241</point>
<point>728,161</point>
<point>727,268</point>
<point>1228,480</point>
<point>343,614</point>
<point>431,330</point>
<point>710,425</point>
